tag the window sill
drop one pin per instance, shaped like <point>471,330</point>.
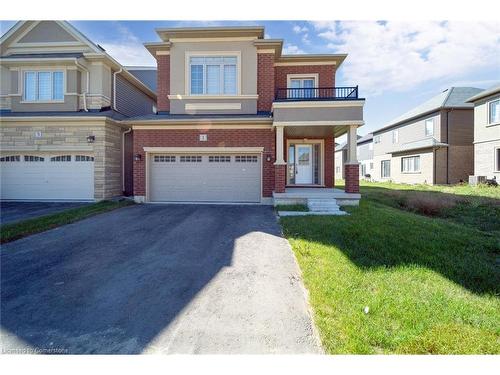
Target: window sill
<point>205,97</point>
<point>411,172</point>
<point>493,124</point>
<point>41,101</point>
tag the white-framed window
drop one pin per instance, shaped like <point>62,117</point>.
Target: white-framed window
<point>410,164</point>
<point>371,166</point>
<point>191,159</point>
<point>497,159</point>
<point>10,158</point>
<point>84,158</point>
<point>494,112</point>
<point>363,170</point>
<point>219,159</point>
<point>302,87</point>
<point>33,158</point>
<point>164,159</point>
<point>395,136</point>
<point>213,75</point>
<point>61,158</point>
<point>429,127</point>
<point>43,86</point>
<point>245,159</point>
<point>376,139</point>
<point>385,168</point>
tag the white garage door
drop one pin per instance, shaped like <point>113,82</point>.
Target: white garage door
<point>47,177</point>
<point>205,178</point>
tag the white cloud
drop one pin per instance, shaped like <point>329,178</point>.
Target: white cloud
<point>300,29</point>
<point>127,49</point>
<point>401,55</point>
<point>291,49</point>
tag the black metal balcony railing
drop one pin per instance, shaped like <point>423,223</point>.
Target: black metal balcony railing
<point>317,93</point>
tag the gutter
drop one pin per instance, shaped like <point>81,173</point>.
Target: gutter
<point>88,84</point>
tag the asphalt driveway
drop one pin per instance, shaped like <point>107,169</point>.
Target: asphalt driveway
<point>156,279</point>
<point>11,212</point>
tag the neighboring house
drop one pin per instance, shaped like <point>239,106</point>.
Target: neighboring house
<point>430,144</point>
<point>487,133</point>
<point>240,122</point>
<point>62,99</point>
<point>365,156</point>
<point>235,121</point>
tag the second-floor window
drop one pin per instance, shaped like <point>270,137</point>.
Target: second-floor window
<point>43,86</point>
<point>213,75</point>
<point>494,112</point>
<point>395,136</point>
<point>302,87</point>
<point>376,139</point>
<point>429,127</point>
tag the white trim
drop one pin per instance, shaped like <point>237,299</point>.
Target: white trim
<point>206,97</point>
<point>213,39</point>
<point>319,104</point>
<point>301,63</point>
<point>187,68</point>
<point>266,51</point>
<point>201,126</point>
<point>212,106</point>
<point>318,123</point>
<point>204,150</point>
<point>289,78</point>
<point>37,71</point>
<point>162,53</point>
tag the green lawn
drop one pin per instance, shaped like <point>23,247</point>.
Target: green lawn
<point>431,281</point>
<point>15,231</point>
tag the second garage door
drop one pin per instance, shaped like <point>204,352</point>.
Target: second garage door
<point>205,178</point>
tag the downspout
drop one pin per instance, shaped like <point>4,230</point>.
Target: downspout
<point>123,158</point>
<point>88,85</point>
<point>114,87</point>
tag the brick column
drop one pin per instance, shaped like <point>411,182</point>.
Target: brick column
<point>163,83</point>
<point>279,178</point>
<point>351,173</point>
<point>265,81</point>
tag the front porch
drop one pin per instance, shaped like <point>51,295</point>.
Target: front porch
<point>298,195</point>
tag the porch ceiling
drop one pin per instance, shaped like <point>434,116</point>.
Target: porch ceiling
<point>314,131</point>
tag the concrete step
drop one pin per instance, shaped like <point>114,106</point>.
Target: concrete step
<point>322,205</point>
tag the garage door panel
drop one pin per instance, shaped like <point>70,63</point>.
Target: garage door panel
<point>205,181</point>
<point>47,180</point>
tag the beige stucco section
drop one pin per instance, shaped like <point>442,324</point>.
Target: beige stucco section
<point>486,140</point>
<point>56,137</point>
<point>247,82</point>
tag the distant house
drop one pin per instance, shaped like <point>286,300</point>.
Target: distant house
<point>487,132</point>
<point>365,156</point>
<point>432,143</point>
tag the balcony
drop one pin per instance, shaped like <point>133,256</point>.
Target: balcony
<point>317,111</point>
<point>316,94</point>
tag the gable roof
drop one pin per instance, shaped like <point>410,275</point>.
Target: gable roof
<point>483,94</point>
<point>454,97</point>
<point>145,74</point>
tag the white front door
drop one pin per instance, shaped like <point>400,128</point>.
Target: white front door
<point>304,166</point>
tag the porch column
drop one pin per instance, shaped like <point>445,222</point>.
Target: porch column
<point>279,164</point>
<point>351,168</point>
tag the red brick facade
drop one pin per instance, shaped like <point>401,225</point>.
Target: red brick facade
<point>326,74</point>
<point>265,81</point>
<point>351,173</point>
<point>216,138</point>
<point>163,83</point>
<point>280,178</point>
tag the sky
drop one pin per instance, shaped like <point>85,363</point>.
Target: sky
<point>396,64</point>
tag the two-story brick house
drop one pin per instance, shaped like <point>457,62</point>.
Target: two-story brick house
<point>430,144</point>
<point>238,121</point>
<point>62,102</point>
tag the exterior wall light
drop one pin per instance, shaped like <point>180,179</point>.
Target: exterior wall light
<point>268,158</point>
<point>91,139</point>
<point>137,157</point>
